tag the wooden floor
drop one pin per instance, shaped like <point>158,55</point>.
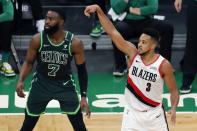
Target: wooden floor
<point>106,122</point>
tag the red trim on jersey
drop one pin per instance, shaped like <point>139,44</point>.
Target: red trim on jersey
<point>138,92</point>
<point>151,62</point>
<point>132,60</point>
<point>160,72</point>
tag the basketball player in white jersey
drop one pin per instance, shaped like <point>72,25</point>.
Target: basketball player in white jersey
<point>147,73</point>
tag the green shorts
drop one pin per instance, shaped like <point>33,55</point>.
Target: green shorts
<point>43,90</point>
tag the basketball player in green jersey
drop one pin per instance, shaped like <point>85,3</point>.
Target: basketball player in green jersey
<point>53,50</point>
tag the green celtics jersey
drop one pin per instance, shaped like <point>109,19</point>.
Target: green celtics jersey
<point>54,60</point>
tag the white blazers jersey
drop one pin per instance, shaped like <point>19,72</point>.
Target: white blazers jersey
<point>145,84</point>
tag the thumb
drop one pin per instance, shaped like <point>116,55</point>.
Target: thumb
<point>86,12</point>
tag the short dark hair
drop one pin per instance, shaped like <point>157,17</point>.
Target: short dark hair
<point>60,12</point>
<point>153,33</point>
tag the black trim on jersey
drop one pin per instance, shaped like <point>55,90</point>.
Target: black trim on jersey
<point>165,117</point>
<point>41,41</point>
<point>137,96</point>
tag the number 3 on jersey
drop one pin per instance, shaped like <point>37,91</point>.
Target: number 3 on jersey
<point>54,68</point>
<point>148,87</point>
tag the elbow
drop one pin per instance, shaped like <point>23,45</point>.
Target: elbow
<point>154,9</point>
<point>10,16</point>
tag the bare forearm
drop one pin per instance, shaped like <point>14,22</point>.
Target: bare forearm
<point>174,97</point>
<point>106,23</point>
<point>26,69</point>
<point>111,31</point>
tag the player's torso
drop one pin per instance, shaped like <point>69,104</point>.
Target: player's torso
<point>54,60</point>
<point>145,84</point>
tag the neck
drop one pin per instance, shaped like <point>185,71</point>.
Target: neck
<point>57,36</point>
<point>149,57</point>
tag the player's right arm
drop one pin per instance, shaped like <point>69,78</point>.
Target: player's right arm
<point>28,63</point>
<point>125,46</point>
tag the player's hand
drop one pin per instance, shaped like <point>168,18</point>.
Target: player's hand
<point>19,89</point>
<point>178,5</point>
<point>172,113</point>
<point>85,106</point>
<point>90,9</point>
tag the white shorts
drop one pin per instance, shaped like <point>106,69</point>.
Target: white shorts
<point>152,120</point>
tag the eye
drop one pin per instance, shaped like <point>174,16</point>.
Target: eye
<point>47,18</point>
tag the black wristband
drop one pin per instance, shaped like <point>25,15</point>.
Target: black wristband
<point>83,78</point>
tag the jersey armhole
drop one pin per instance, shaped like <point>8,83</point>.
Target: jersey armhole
<point>69,46</point>
<point>131,62</point>
<point>160,72</point>
<point>41,41</point>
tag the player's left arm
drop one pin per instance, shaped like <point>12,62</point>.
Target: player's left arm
<point>78,52</point>
<point>168,75</point>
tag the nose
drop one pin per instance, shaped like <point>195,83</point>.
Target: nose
<point>139,43</point>
<point>47,21</point>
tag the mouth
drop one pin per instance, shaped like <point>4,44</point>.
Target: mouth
<point>46,26</point>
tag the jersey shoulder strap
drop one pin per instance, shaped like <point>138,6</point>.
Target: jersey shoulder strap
<point>68,40</point>
<point>69,36</point>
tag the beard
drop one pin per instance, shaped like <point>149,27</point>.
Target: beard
<point>143,53</point>
<point>52,29</point>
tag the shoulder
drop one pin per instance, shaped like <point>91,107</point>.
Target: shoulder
<point>75,39</point>
<point>166,67</point>
<point>36,37</point>
<point>132,50</point>
<point>69,35</point>
<point>35,40</point>
<point>77,44</point>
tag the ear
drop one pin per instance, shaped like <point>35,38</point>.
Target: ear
<point>154,44</point>
<point>61,22</point>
